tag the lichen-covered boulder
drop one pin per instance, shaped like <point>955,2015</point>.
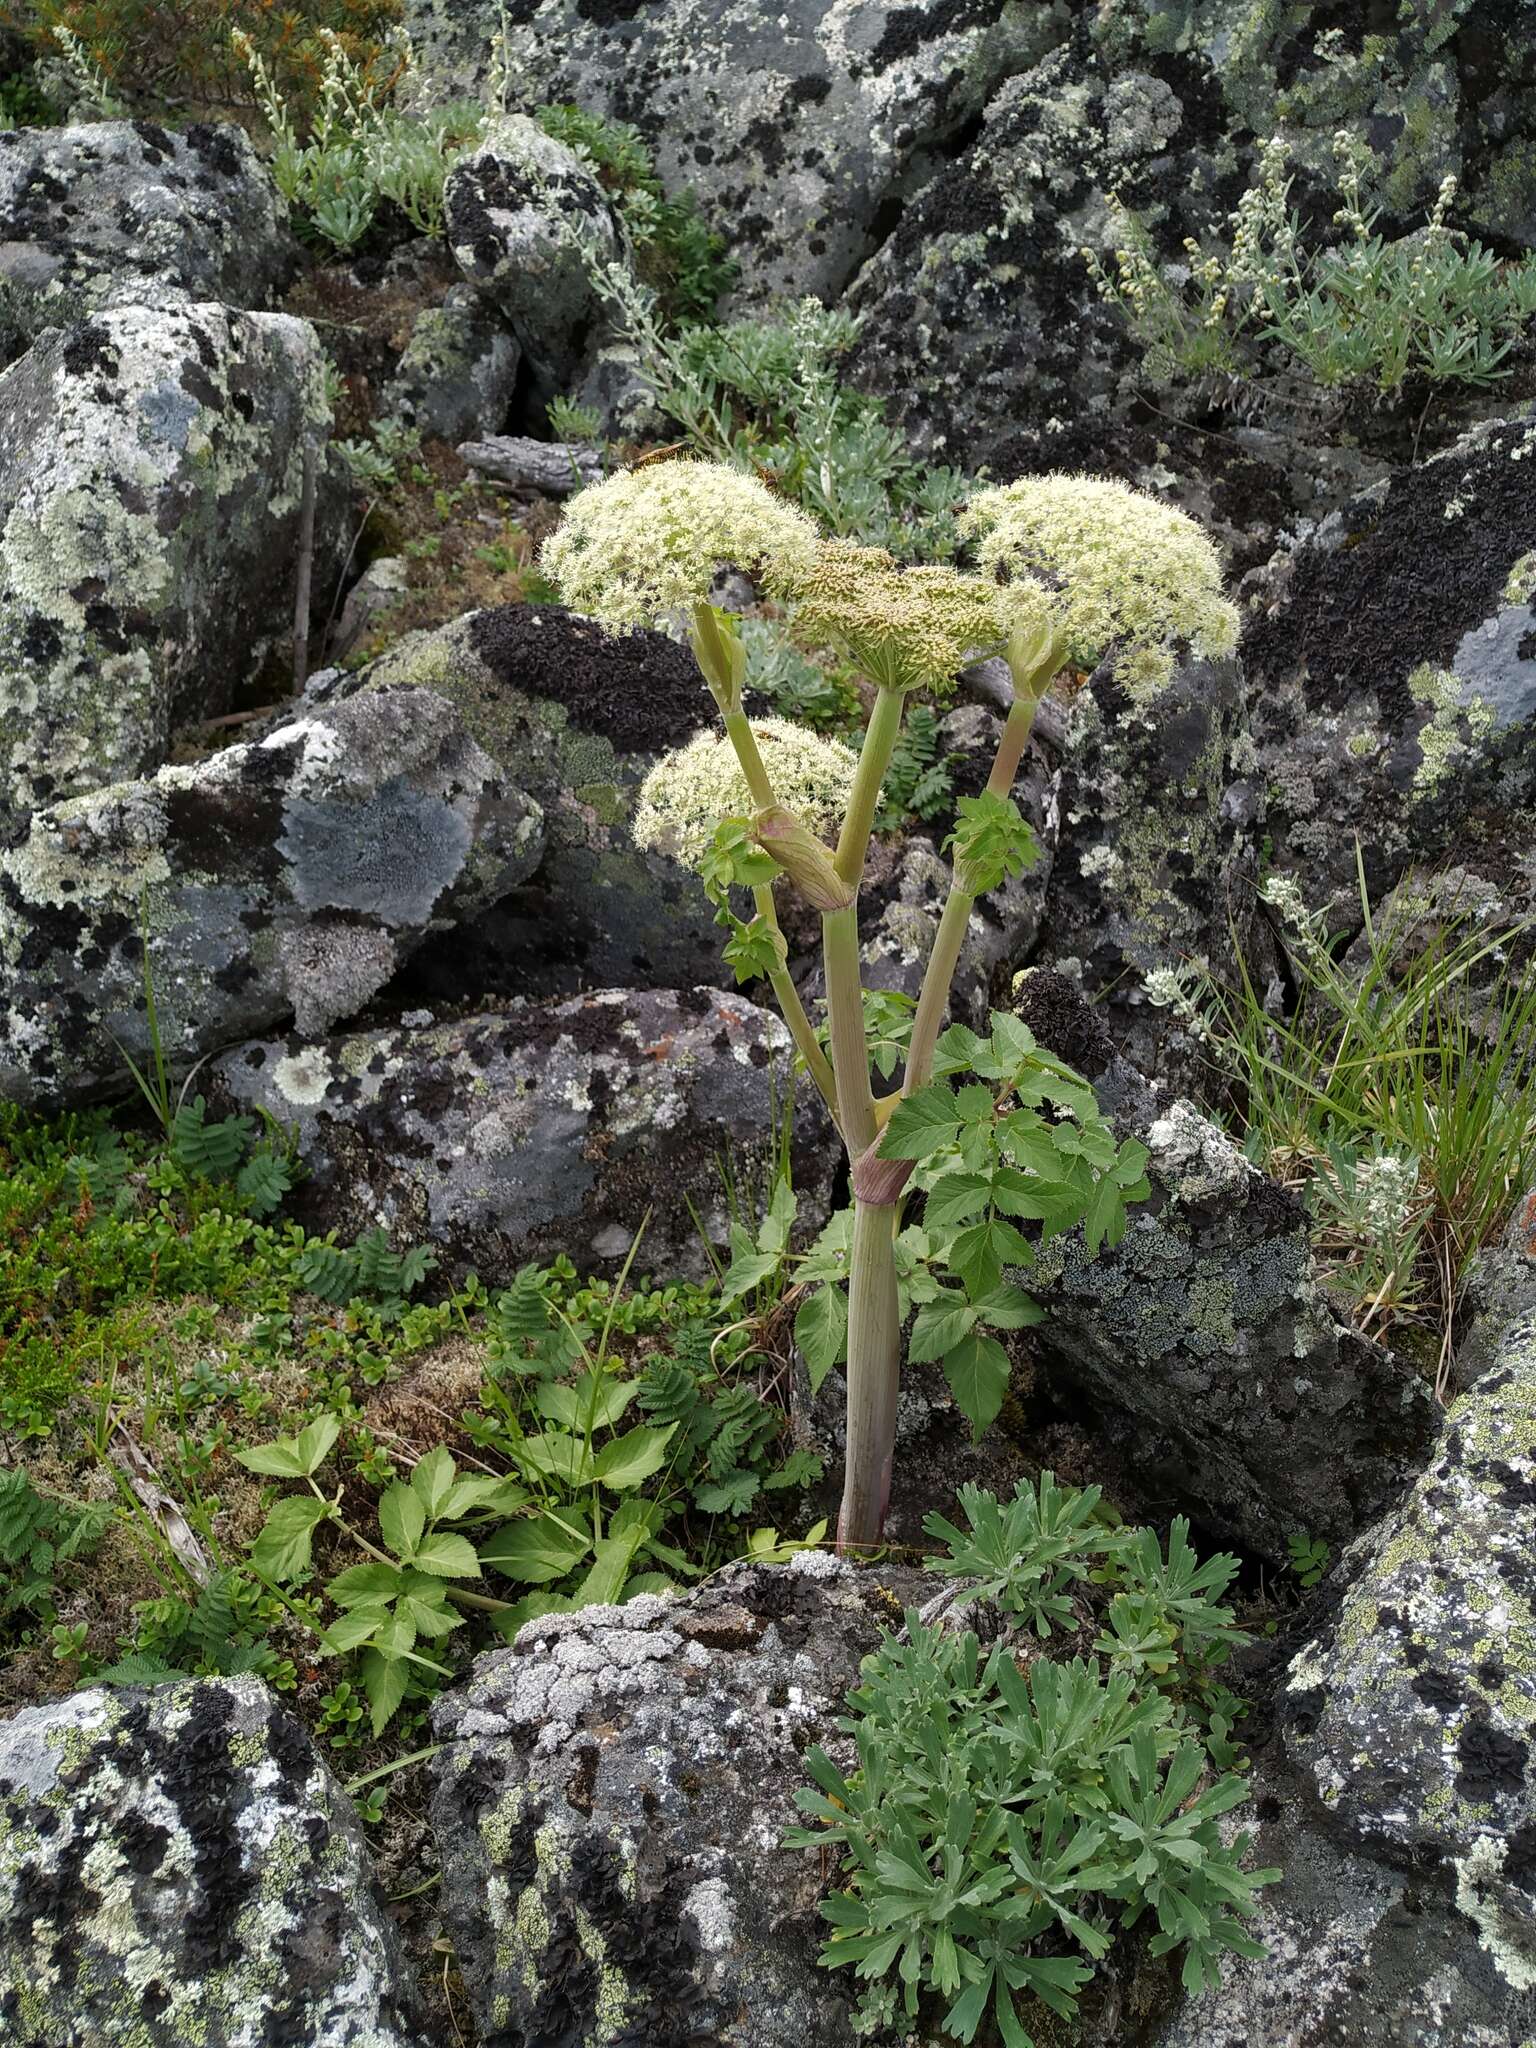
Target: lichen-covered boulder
<point>1357,1954</point>
<point>457,372</point>
<point>1203,1343</point>
<point>1411,1718</point>
<point>102,208</point>
<point>512,206</point>
<point>1156,847</point>
<point>546,1128</point>
<point>576,717</point>
<point>1391,658</point>
<point>151,483</point>
<point>798,128</point>
<point>178,1865</point>
<point>286,876</point>
<point>610,1794</point>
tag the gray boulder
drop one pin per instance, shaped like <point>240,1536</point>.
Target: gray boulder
<point>512,206</point>
<point>1392,673</point>
<point>1409,1717</point>
<point>832,112</point>
<point>1202,1342</point>
<point>289,875</point>
<point>177,1864</point>
<point>151,472</point>
<point>576,717</point>
<point>610,1793</point>
<point>1356,1952</point>
<point>546,1128</point>
<point>457,373</point>
<point>1156,855</point>
<point>102,209</point>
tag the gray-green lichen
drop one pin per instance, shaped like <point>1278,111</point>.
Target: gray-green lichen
<point>178,1869</point>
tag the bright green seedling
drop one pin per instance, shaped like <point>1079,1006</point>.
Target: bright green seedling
<point>1000,1809</point>
<point>1309,1557</point>
<point>1072,568</point>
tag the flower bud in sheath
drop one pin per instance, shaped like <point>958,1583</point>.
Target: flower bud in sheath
<point>801,855</point>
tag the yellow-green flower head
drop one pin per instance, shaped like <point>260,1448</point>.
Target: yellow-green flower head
<point>1125,571</point>
<point>686,795</point>
<point>906,628</point>
<point>637,549</point>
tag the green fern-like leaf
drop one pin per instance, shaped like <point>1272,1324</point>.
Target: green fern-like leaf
<point>669,1392</point>
<point>212,1150</point>
<point>731,1494</point>
<point>262,1183</point>
<point>743,1425</point>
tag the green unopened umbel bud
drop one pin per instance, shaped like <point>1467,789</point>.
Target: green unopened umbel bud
<point>801,855</point>
<point>1035,651</point>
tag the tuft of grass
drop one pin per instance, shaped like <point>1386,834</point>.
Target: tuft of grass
<point>1399,1097</point>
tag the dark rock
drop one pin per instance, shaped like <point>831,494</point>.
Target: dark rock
<point>548,1128</point>
<point>179,1865</point>
<point>512,206</point>
<point>576,717</point>
<point>1411,1717</point>
<point>609,1798</point>
<point>98,211</point>
<point>151,470</point>
<point>286,876</point>
<point>1392,677</point>
<point>801,131</point>
<point>457,373</point>
<point>1205,1349</point>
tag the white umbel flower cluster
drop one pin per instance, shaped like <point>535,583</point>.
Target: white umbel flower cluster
<point>686,795</point>
<point>1126,572</point>
<point>648,543</point>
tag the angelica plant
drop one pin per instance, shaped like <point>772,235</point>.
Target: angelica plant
<point>1071,569</point>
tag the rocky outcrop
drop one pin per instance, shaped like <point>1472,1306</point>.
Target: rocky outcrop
<point>1202,1342</point>
<point>151,484</point>
<point>547,1128</point>
<point>96,212</point>
<point>178,1865</point>
<point>457,373</point>
<point>1392,673</point>
<point>576,717</point>
<point>515,207</point>
<point>286,876</point>
<point>832,114</point>
<point>610,1794</point>
<point>1410,1717</point>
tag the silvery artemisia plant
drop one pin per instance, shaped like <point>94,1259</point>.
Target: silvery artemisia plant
<point>1072,568</point>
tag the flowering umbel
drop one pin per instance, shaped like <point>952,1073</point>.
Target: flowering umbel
<point>649,543</point>
<point>1126,573</point>
<point>686,795</point>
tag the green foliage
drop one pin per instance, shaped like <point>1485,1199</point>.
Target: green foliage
<point>797,687</point>
<point>918,784</point>
<point>23,102</point>
<point>678,255</point>
<point>39,1536</point>
<point>1309,1557</point>
<point>1024,1144</point>
<point>1426,309</point>
<point>1000,1809</point>
<point>993,843</point>
<point>1399,1096</point>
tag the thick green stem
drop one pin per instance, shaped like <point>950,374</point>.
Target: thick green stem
<point>738,730</point>
<point>879,744</point>
<point>939,976</point>
<point>874,1366</point>
<point>792,1010</point>
<point>845,1026</point>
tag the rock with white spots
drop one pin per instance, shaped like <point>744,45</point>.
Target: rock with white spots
<point>610,1796</point>
<point>548,1127</point>
<point>1202,1342</point>
<point>457,372</point>
<point>512,206</point>
<point>177,1866</point>
<point>100,211</point>
<point>151,485</point>
<point>1391,657</point>
<point>1411,1717</point>
<point>286,876</point>
<point>799,126</point>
